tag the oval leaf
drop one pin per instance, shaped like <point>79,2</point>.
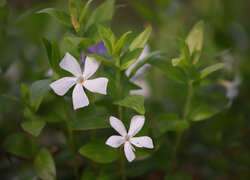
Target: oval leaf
<point>208,70</point>
<point>171,122</point>
<point>58,15</point>
<point>20,145</point>
<point>99,152</point>
<point>140,40</point>
<point>33,127</point>
<point>134,101</point>
<point>38,89</point>
<point>195,39</point>
<point>202,112</point>
<point>120,44</point>
<point>44,165</point>
<point>107,37</point>
<point>174,73</point>
<point>91,117</point>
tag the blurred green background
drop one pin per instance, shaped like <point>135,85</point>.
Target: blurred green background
<point>216,148</point>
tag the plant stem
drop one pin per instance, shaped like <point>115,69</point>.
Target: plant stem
<point>188,101</point>
<point>71,141</point>
<point>118,85</point>
<point>184,118</point>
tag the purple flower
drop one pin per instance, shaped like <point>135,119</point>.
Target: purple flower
<point>82,58</point>
<point>97,49</point>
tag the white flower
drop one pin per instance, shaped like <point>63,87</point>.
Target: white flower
<point>232,89</point>
<point>139,78</point>
<point>70,64</point>
<point>128,138</point>
<point>13,73</point>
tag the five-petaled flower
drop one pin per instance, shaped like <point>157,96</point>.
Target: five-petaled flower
<point>70,64</point>
<point>128,138</point>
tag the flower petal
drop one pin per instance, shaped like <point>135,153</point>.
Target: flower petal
<point>98,85</point>
<point>79,97</point>
<point>61,86</point>
<point>136,125</point>
<point>91,66</point>
<point>143,141</point>
<point>70,64</point>
<point>117,125</point>
<point>115,141</point>
<point>130,155</point>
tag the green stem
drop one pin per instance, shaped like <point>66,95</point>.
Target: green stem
<point>71,141</point>
<point>184,118</point>
<point>188,101</point>
<point>118,85</point>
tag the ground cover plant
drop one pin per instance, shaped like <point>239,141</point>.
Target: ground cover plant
<point>124,90</point>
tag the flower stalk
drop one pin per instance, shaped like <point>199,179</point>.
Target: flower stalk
<point>185,118</point>
<point>71,142</point>
<point>118,84</point>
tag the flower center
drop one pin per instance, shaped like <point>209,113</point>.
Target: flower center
<point>80,79</point>
<point>127,138</point>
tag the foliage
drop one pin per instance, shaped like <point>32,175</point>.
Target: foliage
<point>191,87</point>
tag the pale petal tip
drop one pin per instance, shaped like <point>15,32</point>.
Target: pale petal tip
<point>130,159</point>
<point>55,90</point>
<point>151,145</point>
<point>110,143</point>
<point>78,107</point>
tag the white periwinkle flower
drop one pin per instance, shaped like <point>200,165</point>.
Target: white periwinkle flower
<point>139,77</point>
<point>232,89</point>
<point>70,64</point>
<point>128,138</point>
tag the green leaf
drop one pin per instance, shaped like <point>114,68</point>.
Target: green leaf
<point>120,44</point>
<point>58,15</point>
<point>102,15</point>
<point>143,61</point>
<point>56,57</point>
<point>28,114</point>
<point>14,98</point>
<point>107,37</point>
<point>134,101</point>
<point>129,58</point>
<point>91,117</point>
<point>25,93</point>
<point>44,165</point>
<point>208,70</point>
<point>195,40</point>
<point>4,13</point>
<point>171,122</point>
<point>84,10</point>
<point>79,41</point>
<point>127,85</point>
<point>48,48</point>
<point>99,151</point>
<point>180,62</point>
<point>73,8</point>
<point>33,127</point>
<point>38,89</point>
<point>103,60</point>
<point>20,145</point>
<point>140,40</point>
<point>176,61</point>
<point>146,12</point>
<point>202,111</point>
<point>174,73</point>
<point>184,49</point>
